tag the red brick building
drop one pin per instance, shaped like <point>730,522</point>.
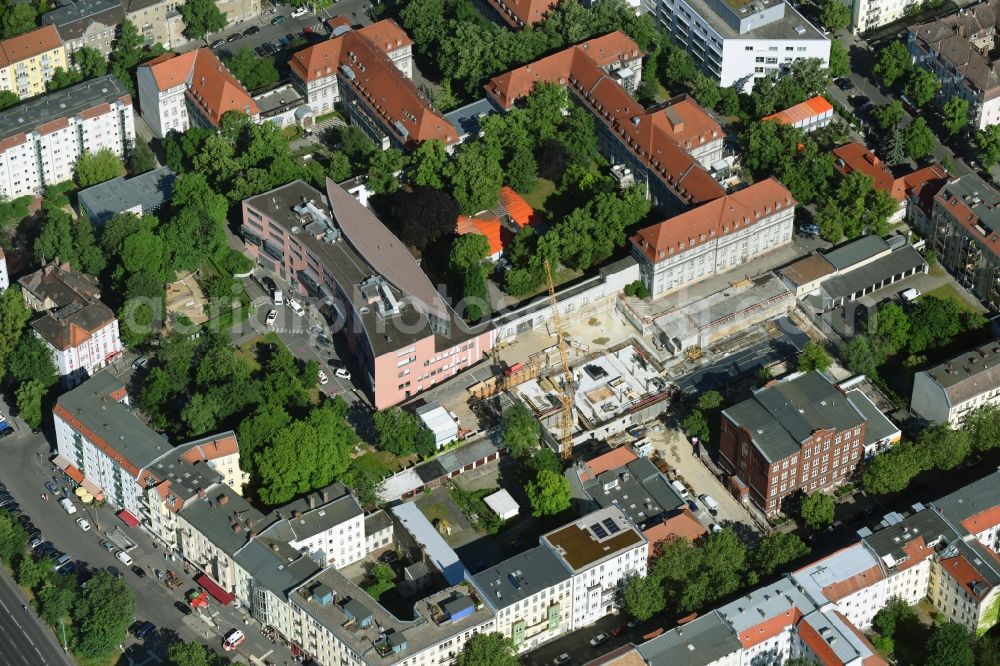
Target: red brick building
<point>801,434</point>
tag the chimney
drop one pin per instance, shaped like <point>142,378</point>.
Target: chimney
<point>326,495</point>
<point>223,500</point>
<point>312,501</point>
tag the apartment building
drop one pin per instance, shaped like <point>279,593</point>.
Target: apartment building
<point>403,336</point>
<point>28,61</point>
<point>177,91</point>
<point>87,23</point>
<point>531,595</point>
<point>950,390</point>
<point>41,139</point>
<point>803,433</point>
<point>738,41</point>
<point>600,550</point>
<point>520,13</point>
<point>80,332</point>
<point>160,21</point>
<point>667,147</point>
<point>963,229</point>
<point>715,237</point>
<point>368,72</point>
<point>868,15</point>
<point>958,50</point>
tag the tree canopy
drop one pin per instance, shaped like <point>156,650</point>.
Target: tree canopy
<point>520,430</point>
<point>549,493</point>
<point>813,357</point>
<point>253,71</point>
<point>93,168</point>
<point>493,649</point>
<point>817,510</point>
<point>201,17</point>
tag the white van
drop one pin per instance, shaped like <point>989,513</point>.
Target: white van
<point>67,505</point>
<point>124,558</point>
<point>710,502</point>
<point>909,295</point>
<point>682,492</point>
<point>279,298</point>
<point>295,307</point>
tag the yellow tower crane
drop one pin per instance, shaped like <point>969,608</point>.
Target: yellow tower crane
<point>566,445</point>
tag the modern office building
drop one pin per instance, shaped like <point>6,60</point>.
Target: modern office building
<point>41,139</point>
<point>738,41</point>
<point>28,61</point>
<point>403,336</point>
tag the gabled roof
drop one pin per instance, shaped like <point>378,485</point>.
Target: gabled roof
<point>387,35</point>
<point>725,215</point>
<point>816,106</point>
<point>519,210</point>
<point>855,156</point>
<point>487,225</point>
<point>29,45</point>
<point>518,13</point>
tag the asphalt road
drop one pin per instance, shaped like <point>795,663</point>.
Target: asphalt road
<point>24,468</point>
<point>24,638</point>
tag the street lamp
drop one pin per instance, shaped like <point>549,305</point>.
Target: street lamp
<point>63,625</point>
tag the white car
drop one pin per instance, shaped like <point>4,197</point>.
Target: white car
<point>84,525</point>
<point>271,316</point>
<point>323,379</point>
<point>296,307</point>
<point>598,639</point>
<point>343,373</point>
<point>233,640</point>
<point>301,11</point>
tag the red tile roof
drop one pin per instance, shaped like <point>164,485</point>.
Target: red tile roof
<point>683,525</point>
<point>211,87</point>
<point>225,445</point>
<point>769,627</point>
<point>29,45</point>
<point>387,35</point>
<point>810,108</point>
<point>717,218</point>
<point>520,211</point>
<point>975,523</point>
<point>488,226</point>
<point>966,576</point>
<point>613,459</point>
<point>856,157</point>
<point>922,182</point>
<point>968,219</point>
<point>518,13</point>
<point>375,79</point>
<point>848,586</point>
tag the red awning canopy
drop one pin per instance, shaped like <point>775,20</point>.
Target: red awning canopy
<point>73,473</point>
<point>214,589</point>
<point>128,518</point>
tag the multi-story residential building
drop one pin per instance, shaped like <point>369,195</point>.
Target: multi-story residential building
<point>738,41</point>
<point>667,148</point>
<point>715,237</point>
<point>87,23</point>
<point>963,229</point>
<point>531,595</point>
<point>807,116</point>
<point>600,549</point>
<point>160,21</point>
<point>28,61</point>
<point>41,139</point>
<point>4,276</point>
<point>368,71</point>
<point>950,390</point>
<point>521,13</point>
<point>803,433</point>
<point>143,194</point>
<point>957,49</point>
<point>193,88</point>
<point>867,15</point>
<point>706,641</point>
<point>403,336</point>
<point>79,330</point>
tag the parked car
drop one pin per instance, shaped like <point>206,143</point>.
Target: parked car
<point>301,11</point>
<point>844,84</point>
<point>52,488</point>
<point>296,307</point>
<point>709,501</point>
<point>260,51</point>
<point>809,230</point>
<point>114,571</point>
<point>342,372</point>
<point>252,30</point>
<point>35,543</point>
<point>217,43</point>
<point>599,639</point>
<point>618,630</point>
<point>183,607</point>
<point>143,629</point>
<point>271,316</point>
<point>909,295</point>
<point>83,524</point>
<point>323,378</point>
<point>232,640</point>
<point>388,557</point>
<point>107,545</point>
<point>233,37</point>
<point>278,20</point>
<point>561,659</point>
<point>140,363</point>
<point>124,558</point>
<point>859,100</point>
<point>139,571</point>
<point>693,506</point>
<point>714,528</point>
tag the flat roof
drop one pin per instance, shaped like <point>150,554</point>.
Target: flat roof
<point>638,488</point>
<point>972,499</point>
<point>66,103</point>
<point>877,425</point>
<point>903,260</point>
<point>970,373</point>
<point>807,269</point>
<point>705,640</point>
<point>592,539</point>
<point>520,577</point>
<point>466,118</point>
<point>852,252</point>
<point>783,28</point>
<point>436,549</point>
<point>149,190</point>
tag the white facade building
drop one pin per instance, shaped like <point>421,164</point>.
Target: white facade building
<point>715,237</point>
<point>600,550</point>
<point>41,139</point>
<point>737,42</point>
<point>4,276</point>
<point>867,15</point>
<point>949,391</point>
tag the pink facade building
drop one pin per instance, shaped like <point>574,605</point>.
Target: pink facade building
<point>403,335</point>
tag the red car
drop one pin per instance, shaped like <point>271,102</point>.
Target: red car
<point>619,629</point>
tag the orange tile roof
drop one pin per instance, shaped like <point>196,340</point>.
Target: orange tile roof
<point>968,219</point>
<point>613,459</point>
<point>518,13</point>
<point>225,445</point>
<point>848,586</point>
<point>211,87</point>
<point>376,80</point>
<point>683,525</point>
<point>856,157</point>
<point>975,523</point>
<point>605,50</point>
<point>387,35</point>
<point>717,218</point>
<point>818,645</point>
<point>685,122</point>
<point>30,44</point>
<point>769,628</point>
<point>520,211</point>
<point>171,69</point>
<point>914,183</point>
<point>810,108</point>
<point>323,59</point>
<point>487,226</point>
<point>73,473</point>
<point>965,575</point>
<point>874,659</point>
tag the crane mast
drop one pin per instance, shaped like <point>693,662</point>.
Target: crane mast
<point>566,441</point>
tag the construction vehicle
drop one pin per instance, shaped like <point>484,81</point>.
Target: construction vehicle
<point>566,443</point>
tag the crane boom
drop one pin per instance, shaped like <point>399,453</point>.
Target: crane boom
<point>566,442</point>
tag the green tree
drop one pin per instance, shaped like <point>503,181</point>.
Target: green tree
<point>988,145</point>
<point>983,426</point>
<point>339,169</point>
<point>934,322</point>
<point>892,326</point>
<point>889,115</point>
<point>893,148</point>
<point>862,356</point>
<point>548,494</point>
<point>140,158</point>
<point>775,551</point>
<point>705,90</point>
<point>475,177</point>
<point>201,17</point>
<point>8,99</point>
<point>90,62</point>
<point>696,425</point>
<point>70,240</point>
<point>31,572</point>
<point>93,168</point>
<point>840,61</point>
<point>893,63</point>
<point>522,171</point>
<point>493,649</point>
<point>834,15</point>
<point>520,431</point>
<point>813,357</point>
<point>944,447</point>
<point>816,510</point>
<point>17,18</point>
<point>29,402</point>
<point>950,645</point>
<point>709,400</point>
<point>428,164</point>
<point>13,317</point>
<point>956,114</point>
<point>55,598</point>
<point>13,539</point>
<point>192,654</point>
<point>254,72</point>
<point>895,612</point>
<point>383,170</point>
<point>102,614</point>
<point>922,86</point>
<point>32,361</point>
<point>892,471</point>
<point>643,596</point>
<point>381,579</point>
<point>396,431</point>
<point>675,66</point>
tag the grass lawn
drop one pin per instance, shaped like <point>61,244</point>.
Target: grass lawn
<point>937,270</point>
<point>948,291</point>
<point>543,190</point>
<point>328,116</point>
<point>246,350</point>
<point>381,463</point>
<point>436,511</point>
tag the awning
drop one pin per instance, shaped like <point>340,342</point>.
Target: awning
<point>60,461</point>
<point>128,518</point>
<point>214,589</point>
<point>73,473</point>
<point>91,487</point>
